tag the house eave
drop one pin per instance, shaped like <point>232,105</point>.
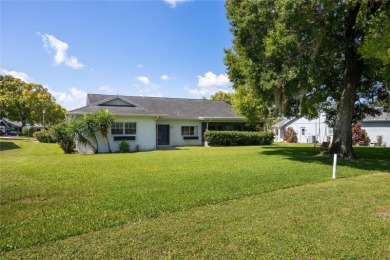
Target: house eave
<point>222,119</point>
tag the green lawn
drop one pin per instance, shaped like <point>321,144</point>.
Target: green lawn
<point>239,202</point>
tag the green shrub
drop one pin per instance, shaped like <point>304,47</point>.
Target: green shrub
<point>231,138</point>
<point>379,140</point>
<point>124,147</point>
<point>45,136</point>
<point>62,134</point>
<point>27,132</point>
<point>1,132</point>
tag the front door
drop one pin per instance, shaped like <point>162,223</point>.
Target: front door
<point>163,135</point>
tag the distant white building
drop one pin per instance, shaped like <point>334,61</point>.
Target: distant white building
<point>376,126</point>
<point>308,131</point>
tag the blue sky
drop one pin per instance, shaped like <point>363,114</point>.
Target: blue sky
<point>170,48</point>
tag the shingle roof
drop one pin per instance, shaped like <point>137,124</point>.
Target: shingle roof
<point>168,107</point>
<point>384,116</point>
<point>282,123</point>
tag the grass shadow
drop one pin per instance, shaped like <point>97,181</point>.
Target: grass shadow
<point>8,146</point>
<point>369,158</point>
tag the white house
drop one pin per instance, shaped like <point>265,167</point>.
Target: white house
<point>308,131</point>
<point>152,122</point>
<point>378,126</point>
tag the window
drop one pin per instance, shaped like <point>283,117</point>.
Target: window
<point>189,130</point>
<point>120,128</point>
<point>117,128</point>
<point>303,131</point>
<point>330,131</point>
<point>130,128</point>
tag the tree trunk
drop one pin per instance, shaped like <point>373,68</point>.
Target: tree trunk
<point>109,147</point>
<point>342,133</point>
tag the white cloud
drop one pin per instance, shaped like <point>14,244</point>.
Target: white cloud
<point>72,99</point>
<point>173,3</point>
<point>149,87</point>
<point>166,77</point>
<point>144,80</point>
<point>61,56</point>
<point>106,88</point>
<point>16,74</point>
<point>211,80</point>
<point>209,84</point>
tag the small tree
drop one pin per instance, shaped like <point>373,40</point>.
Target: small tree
<point>88,128</point>
<point>290,135</point>
<point>379,140</point>
<point>359,135</point>
<point>104,120</point>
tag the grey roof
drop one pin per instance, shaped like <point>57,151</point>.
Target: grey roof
<point>180,108</point>
<point>384,116</point>
<point>282,123</point>
<point>12,123</point>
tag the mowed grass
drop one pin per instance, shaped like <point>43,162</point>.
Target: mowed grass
<point>52,202</point>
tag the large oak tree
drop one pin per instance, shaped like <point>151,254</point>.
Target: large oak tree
<point>25,102</point>
<point>303,56</point>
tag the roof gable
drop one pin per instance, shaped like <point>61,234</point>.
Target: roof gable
<point>116,102</point>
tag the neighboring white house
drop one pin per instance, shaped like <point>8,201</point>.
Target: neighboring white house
<point>308,131</point>
<point>152,122</point>
<point>376,126</point>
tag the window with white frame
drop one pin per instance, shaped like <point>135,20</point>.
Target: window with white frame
<point>330,131</point>
<point>189,131</point>
<point>121,128</point>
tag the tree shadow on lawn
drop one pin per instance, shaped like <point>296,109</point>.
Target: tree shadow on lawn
<point>369,158</point>
<point>8,146</point>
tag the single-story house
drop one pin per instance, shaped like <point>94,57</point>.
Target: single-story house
<point>153,122</point>
<point>376,126</point>
<point>308,131</point>
<point>8,126</point>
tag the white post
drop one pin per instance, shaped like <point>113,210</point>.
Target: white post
<point>334,165</point>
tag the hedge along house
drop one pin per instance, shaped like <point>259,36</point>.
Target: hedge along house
<point>153,122</point>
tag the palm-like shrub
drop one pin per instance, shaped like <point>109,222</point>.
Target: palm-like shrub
<point>105,120</point>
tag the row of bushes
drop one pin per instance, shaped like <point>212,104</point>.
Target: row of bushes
<point>231,138</point>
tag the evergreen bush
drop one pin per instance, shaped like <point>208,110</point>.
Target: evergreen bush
<point>64,137</point>
<point>232,138</point>
<point>45,136</point>
<point>124,147</point>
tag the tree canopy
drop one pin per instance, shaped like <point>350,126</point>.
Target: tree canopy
<point>223,96</point>
<point>25,102</point>
<point>303,56</point>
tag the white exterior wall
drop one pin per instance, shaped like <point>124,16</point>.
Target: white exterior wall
<point>316,127</point>
<point>378,128</point>
<point>145,137</point>
<point>175,137</point>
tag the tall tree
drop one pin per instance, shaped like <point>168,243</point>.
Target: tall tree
<point>25,102</point>
<point>304,55</point>
<point>223,96</point>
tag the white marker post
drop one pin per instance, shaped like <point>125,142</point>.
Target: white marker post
<point>334,165</point>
